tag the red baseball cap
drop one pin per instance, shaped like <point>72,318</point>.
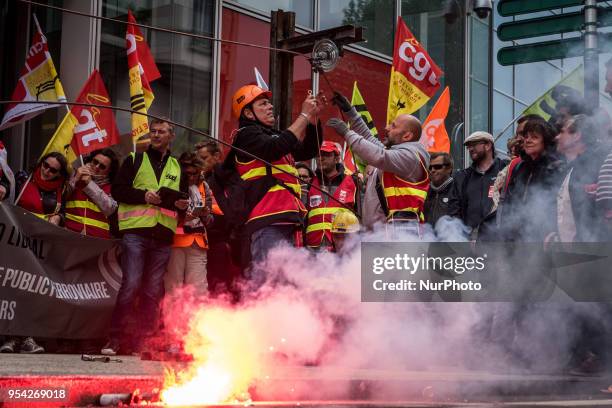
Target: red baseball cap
<point>330,147</point>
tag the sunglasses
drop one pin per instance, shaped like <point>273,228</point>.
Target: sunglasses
<point>49,168</point>
<point>192,173</point>
<point>98,164</point>
<point>437,166</point>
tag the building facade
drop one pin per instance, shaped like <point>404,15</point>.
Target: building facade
<point>199,76</point>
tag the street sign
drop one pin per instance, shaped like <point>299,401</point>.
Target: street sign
<point>563,23</point>
<point>508,8</point>
<point>550,50</point>
<point>542,51</point>
<point>535,27</point>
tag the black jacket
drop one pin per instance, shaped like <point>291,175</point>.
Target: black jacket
<point>271,145</point>
<point>437,202</point>
<point>471,199</point>
<point>124,192</point>
<point>529,211</point>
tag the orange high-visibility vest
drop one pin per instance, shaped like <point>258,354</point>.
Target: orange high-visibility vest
<point>402,195</point>
<point>277,199</point>
<point>321,214</point>
<point>84,215</point>
<point>182,240</point>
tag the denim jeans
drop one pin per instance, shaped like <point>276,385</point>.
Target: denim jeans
<point>262,241</point>
<point>143,263</point>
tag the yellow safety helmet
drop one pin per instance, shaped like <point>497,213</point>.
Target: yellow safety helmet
<point>345,222</point>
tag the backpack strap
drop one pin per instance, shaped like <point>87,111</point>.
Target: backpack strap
<point>513,164</point>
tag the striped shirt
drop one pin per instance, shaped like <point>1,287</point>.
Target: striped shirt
<point>604,184</point>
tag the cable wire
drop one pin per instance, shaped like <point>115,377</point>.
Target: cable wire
<point>185,127</point>
<point>166,30</point>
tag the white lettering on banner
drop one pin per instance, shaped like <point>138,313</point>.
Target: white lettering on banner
<point>420,64</point>
<point>42,285</point>
<point>7,309</point>
<point>89,128</point>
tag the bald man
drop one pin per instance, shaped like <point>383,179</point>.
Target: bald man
<point>397,179</point>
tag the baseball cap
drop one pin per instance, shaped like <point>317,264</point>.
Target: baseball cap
<point>330,147</point>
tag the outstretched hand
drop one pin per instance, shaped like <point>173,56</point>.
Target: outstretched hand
<point>340,101</point>
<point>338,125</point>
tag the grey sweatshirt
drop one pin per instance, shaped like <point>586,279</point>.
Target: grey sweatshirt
<point>401,159</point>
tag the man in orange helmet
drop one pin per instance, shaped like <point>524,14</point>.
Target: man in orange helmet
<point>276,212</point>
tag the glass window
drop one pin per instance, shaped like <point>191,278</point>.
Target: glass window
<point>183,93</point>
<point>479,106</point>
<point>480,51</point>
<point>518,109</point>
<point>376,16</point>
<point>303,8</point>
<point>502,75</point>
<point>502,116</point>
<point>534,79</point>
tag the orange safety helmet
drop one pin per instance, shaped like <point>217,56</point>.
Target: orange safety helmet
<point>245,95</point>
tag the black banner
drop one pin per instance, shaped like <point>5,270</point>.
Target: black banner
<point>54,283</point>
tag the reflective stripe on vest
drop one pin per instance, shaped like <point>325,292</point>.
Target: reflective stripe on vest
<point>277,199</point>
<point>88,221</point>
<point>402,195</point>
<point>84,216</point>
<point>145,215</point>
<point>321,214</point>
<point>43,216</point>
<point>82,204</point>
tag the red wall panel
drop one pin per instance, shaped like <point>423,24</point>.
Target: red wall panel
<point>237,64</point>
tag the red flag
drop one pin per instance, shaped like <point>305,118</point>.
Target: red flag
<point>38,81</point>
<point>415,77</point>
<point>349,161</point>
<point>434,136</point>
<point>96,127</point>
<point>142,71</point>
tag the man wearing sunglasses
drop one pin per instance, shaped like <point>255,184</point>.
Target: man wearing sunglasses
<point>436,204</point>
<point>90,206</point>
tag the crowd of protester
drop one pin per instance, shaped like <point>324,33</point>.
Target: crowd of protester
<point>208,221</point>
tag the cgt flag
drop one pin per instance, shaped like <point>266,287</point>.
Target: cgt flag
<point>434,136</point>
<point>142,71</point>
<point>38,81</point>
<point>414,75</point>
<point>85,129</point>
<point>96,127</point>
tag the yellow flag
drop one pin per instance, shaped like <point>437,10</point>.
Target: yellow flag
<point>570,87</point>
<point>60,142</point>
<point>142,71</point>
<point>38,81</point>
<point>359,103</point>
